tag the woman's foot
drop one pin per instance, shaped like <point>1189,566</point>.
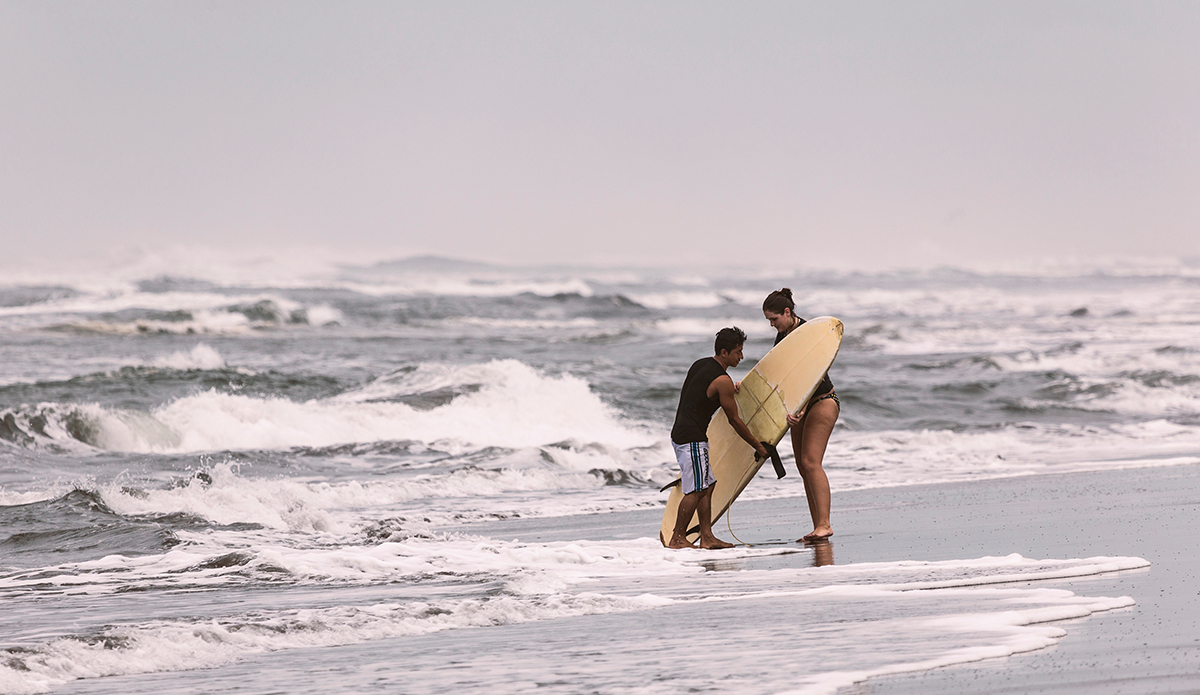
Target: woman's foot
<point>818,534</point>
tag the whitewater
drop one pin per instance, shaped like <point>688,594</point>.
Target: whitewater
<point>218,474</point>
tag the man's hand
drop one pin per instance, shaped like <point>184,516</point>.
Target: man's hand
<point>723,387</point>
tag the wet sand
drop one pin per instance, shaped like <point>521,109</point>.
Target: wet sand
<point>1151,647</point>
<point>1152,513</point>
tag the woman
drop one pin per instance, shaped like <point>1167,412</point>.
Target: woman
<point>812,426</point>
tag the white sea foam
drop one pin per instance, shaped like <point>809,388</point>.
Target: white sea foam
<point>300,506</point>
<point>15,497</point>
<point>130,298</point>
<point>422,501</point>
<point>1144,401</point>
<point>322,315</point>
<point>881,459</point>
<point>562,463</point>
<point>1096,359</point>
<point>205,560</point>
<point>938,613</point>
<point>200,357</point>
<point>680,300</point>
<point>514,407</point>
<point>201,323</point>
<point>195,312</point>
<point>1110,379</point>
<point>560,458</point>
<point>176,646</point>
<point>987,636</point>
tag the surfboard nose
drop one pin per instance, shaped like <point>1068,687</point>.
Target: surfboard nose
<point>835,326</point>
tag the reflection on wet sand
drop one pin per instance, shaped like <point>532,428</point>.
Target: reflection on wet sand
<point>734,565</point>
<point>822,552</point>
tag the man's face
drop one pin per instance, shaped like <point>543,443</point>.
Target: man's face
<point>734,356</point>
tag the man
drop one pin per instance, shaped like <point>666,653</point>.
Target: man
<point>706,388</point>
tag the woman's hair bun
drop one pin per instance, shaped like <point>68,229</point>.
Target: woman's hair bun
<point>779,300</point>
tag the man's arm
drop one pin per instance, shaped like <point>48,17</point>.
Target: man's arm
<point>725,390</point>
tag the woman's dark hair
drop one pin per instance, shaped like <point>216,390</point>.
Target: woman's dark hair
<point>779,300</point>
<point>728,339</point>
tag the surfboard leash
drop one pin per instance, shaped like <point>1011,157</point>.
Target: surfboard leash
<point>780,471</point>
<point>730,527</point>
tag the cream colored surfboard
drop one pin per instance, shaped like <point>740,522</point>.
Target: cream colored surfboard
<point>782,382</point>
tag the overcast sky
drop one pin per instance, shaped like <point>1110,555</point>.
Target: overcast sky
<point>805,133</point>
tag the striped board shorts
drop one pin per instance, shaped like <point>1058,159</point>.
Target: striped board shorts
<point>693,466</point>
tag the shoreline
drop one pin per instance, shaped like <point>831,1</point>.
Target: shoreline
<point>1152,646</point>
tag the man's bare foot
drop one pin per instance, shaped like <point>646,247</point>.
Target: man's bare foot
<point>679,542</point>
<point>714,544</point>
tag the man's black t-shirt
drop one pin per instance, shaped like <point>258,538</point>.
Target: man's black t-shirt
<point>695,407</point>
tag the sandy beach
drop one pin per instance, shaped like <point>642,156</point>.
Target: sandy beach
<point>1151,647</point>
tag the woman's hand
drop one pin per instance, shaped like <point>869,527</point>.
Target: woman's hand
<point>796,419</point>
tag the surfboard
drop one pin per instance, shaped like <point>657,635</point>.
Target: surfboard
<point>781,383</point>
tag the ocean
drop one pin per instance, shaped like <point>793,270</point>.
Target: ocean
<point>215,478</point>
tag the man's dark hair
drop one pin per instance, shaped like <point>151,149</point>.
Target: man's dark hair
<point>728,339</point>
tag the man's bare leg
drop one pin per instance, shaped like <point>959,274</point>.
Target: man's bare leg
<point>687,507</point>
<point>809,440</point>
<point>704,508</point>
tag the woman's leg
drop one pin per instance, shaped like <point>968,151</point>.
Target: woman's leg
<point>809,439</point>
